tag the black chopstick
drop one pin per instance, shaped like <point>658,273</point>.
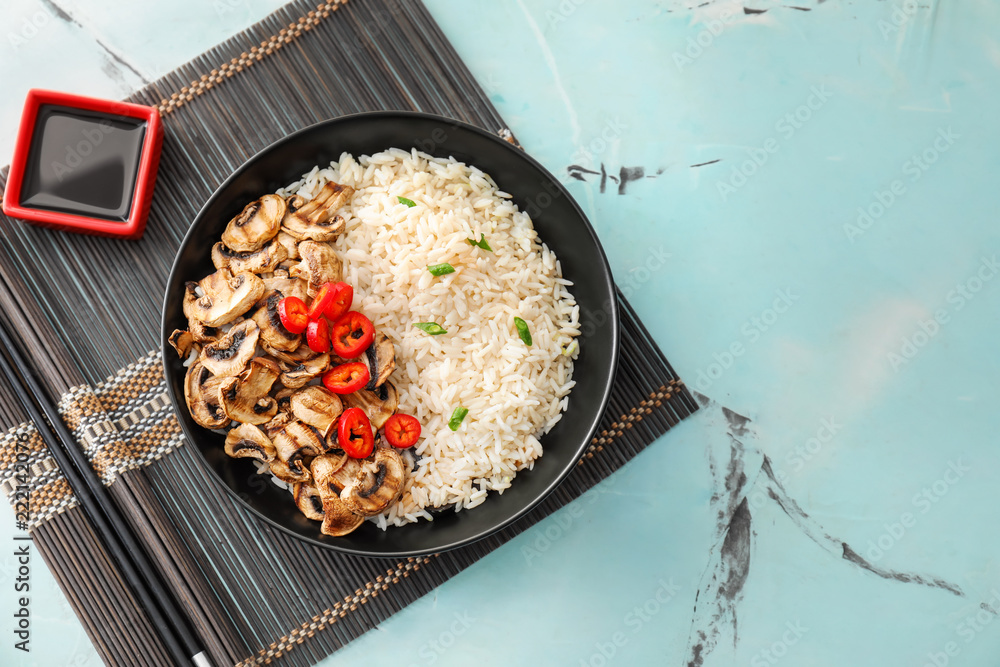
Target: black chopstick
<point>105,517</point>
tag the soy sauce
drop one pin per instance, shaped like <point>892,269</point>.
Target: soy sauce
<point>83,162</point>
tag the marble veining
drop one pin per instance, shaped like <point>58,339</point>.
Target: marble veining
<point>718,600</point>
<point>115,61</point>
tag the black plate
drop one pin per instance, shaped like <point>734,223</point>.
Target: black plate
<point>560,223</point>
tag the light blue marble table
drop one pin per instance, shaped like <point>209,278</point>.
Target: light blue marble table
<point>813,241</point>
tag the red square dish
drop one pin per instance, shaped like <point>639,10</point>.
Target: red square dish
<point>84,165</point>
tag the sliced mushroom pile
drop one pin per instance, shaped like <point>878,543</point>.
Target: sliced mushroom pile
<point>258,381</point>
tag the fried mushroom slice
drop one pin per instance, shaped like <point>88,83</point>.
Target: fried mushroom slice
<point>190,299</point>
<point>227,296</point>
<point>257,224</point>
<point>318,407</point>
<point>378,485</point>
<point>201,396</point>
<point>381,359</point>
<point>266,258</point>
<point>316,219</point>
<point>182,341</point>
<point>308,501</point>
<point>284,398</point>
<point>379,405</point>
<point>338,519</point>
<point>324,469</point>
<point>278,423</point>
<point>291,473</point>
<point>340,458</point>
<point>301,354</point>
<point>272,331</point>
<point>295,443</point>
<point>229,355</point>
<point>289,243</point>
<point>248,441</point>
<point>344,475</point>
<point>280,282</point>
<point>319,265</point>
<point>299,374</point>
<point>302,229</point>
<point>245,399</point>
<point>199,331</point>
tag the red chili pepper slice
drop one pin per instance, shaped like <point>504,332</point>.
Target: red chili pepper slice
<point>322,301</point>
<point>354,433</point>
<point>352,334</point>
<point>402,430</point>
<point>319,303</point>
<point>318,336</point>
<point>347,378</point>
<point>292,311</point>
<point>343,296</point>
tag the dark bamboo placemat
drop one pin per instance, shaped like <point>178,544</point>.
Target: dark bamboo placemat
<point>87,311</point>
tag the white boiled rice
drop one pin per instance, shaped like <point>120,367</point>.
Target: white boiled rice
<point>514,393</point>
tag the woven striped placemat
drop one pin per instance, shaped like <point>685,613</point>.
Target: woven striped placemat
<point>87,311</point>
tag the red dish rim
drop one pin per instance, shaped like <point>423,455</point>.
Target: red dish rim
<point>149,159</point>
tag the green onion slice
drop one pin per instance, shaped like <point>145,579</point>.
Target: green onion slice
<point>441,269</point>
<point>481,243</point>
<point>432,328</point>
<point>457,417</point>
<point>522,330</point>
<point>409,202</point>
